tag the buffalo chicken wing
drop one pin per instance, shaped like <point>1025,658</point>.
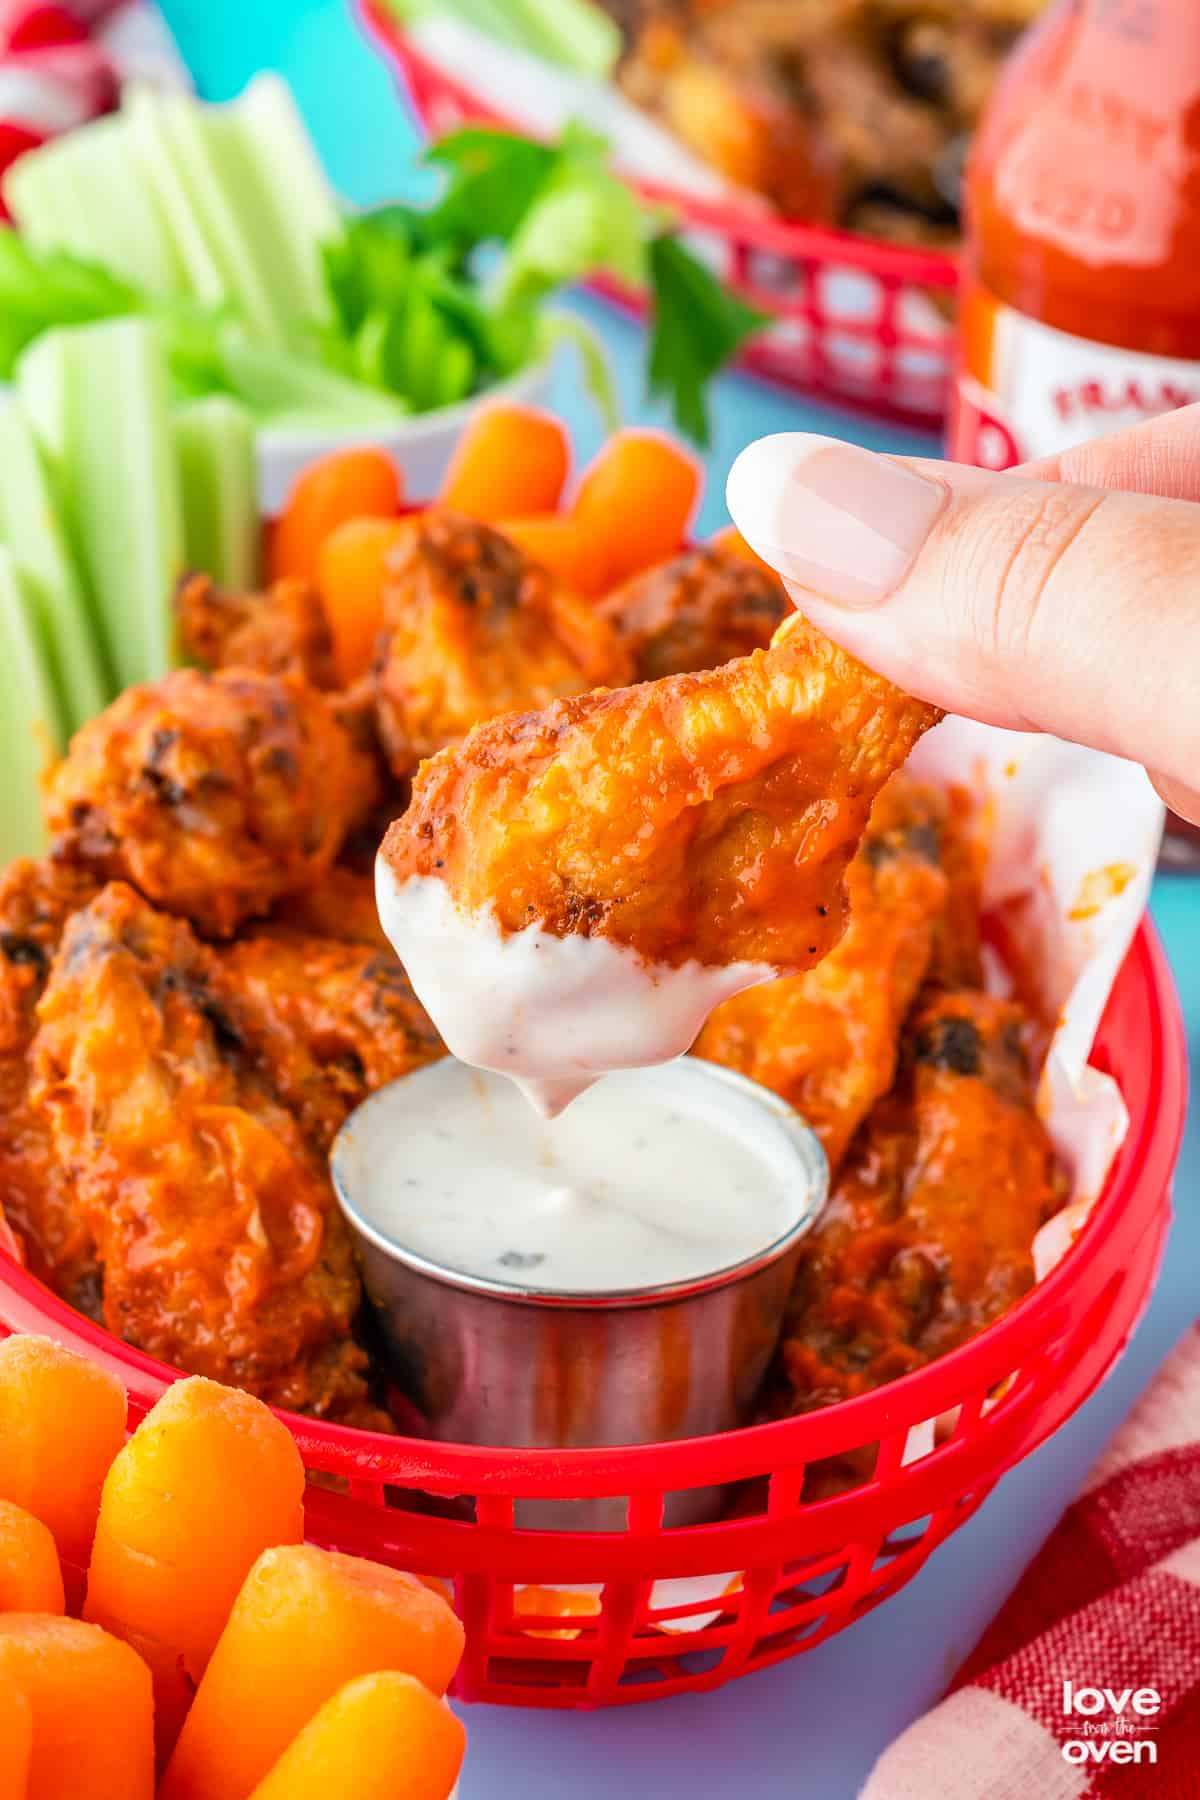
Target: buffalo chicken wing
<point>214,795</point>
<point>703,817</point>
<point>928,1234</point>
<point>328,1023</point>
<point>697,611</point>
<point>826,1040</point>
<point>472,628</point>
<point>215,1229</point>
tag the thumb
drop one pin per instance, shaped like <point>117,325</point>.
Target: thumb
<point>1025,603</point>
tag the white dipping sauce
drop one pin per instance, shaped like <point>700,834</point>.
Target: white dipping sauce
<point>654,1177</point>
<point>553,1013</point>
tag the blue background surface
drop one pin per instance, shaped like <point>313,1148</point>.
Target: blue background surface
<point>811,1729</point>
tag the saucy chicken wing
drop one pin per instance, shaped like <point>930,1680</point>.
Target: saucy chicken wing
<point>928,1234</point>
<point>473,628</point>
<point>213,794</point>
<point>36,901</point>
<point>280,632</point>
<point>706,817</point>
<point>329,1023</point>
<point>220,1246</point>
<point>827,1041</point>
<point>574,891</point>
<point>699,610</point>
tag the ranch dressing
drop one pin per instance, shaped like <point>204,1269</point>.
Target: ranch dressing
<point>553,1013</point>
<point>654,1177</point>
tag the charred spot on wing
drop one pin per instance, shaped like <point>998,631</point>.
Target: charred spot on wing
<point>22,952</point>
<point>950,1044</point>
<point>170,792</point>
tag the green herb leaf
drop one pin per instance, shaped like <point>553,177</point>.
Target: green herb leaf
<point>698,327</point>
<point>493,179</point>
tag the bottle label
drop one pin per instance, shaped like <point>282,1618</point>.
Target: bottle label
<point>1026,390</point>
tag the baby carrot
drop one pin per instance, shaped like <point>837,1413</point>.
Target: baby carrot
<point>381,1737</point>
<point>90,1708</point>
<point>30,1576</point>
<point>62,1420</point>
<point>306,1622</point>
<point>349,484</point>
<point>561,544</point>
<point>351,571</point>
<point>510,460</point>
<point>636,501</point>
<point>209,1480</point>
<point>730,539</point>
<point>16,1742</point>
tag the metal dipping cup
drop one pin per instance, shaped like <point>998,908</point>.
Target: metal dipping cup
<point>506,1363</point>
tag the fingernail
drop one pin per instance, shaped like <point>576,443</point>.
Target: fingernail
<point>836,519</point>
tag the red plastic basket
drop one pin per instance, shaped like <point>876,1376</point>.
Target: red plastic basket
<point>854,319</point>
<point>806,1568</point>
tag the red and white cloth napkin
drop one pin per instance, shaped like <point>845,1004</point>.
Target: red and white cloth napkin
<point>62,62</point>
<point>1086,1686</point>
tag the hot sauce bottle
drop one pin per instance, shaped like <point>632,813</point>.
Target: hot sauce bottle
<point>1081,302</point>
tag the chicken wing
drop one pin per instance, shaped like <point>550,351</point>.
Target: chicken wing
<point>575,890</point>
<point>214,1224</point>
<point>280,632</point>
<point>827,1041</point>
<point>699,610</point>
<point>703,817</point>
<point>213,794</point>
<point>36,901</point>
<point>329,1023</point>
<point>928,1234</point>
<point>473,628</point>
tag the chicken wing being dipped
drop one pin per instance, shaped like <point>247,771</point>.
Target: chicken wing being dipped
<point>36,1192</point>
<point>328,1023</point>
<point>280,632</point>
<point>214,795</point>
<point>474,628</point>
<point>827,1041</point>
<point>220,1246</point>
<point>928,1234</point>
<point>575,890</point>
<point>697,611</point>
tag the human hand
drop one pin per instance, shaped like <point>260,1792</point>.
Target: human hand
<point>1063,596</point>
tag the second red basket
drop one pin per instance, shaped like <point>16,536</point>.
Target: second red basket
<point>853,319</point>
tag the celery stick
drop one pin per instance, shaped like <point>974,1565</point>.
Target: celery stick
<point>219,477</point>
<point>86,193</point>
<point>172,141</point>
<point>124,476</point>
<point>276,381</point>
<point>31,530</point>
<point>41,382</point>
<point>278,173</point>
<point>30,735</point>
<point>574,33</point>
